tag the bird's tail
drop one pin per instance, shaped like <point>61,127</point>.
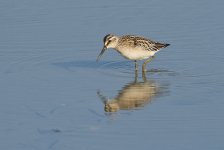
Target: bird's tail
<point>166,45</point>
<point>162,45</point>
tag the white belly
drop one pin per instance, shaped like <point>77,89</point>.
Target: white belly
<point>136,54</point>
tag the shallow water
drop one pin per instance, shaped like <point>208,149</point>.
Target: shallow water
<point>54,95</point>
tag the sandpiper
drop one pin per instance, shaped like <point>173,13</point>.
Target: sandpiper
<point>133,47</point>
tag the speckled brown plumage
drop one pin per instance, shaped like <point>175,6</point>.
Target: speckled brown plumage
<point>132,47</point>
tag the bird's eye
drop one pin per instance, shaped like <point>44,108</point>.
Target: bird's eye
<point>108,42</point>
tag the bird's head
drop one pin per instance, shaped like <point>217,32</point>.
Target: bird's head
<point>110,41</point>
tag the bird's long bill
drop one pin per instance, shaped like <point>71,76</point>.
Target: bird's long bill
<point>101,53</point>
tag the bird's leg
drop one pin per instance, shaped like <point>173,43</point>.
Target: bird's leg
<point>146,62</point>
<point>136,76</point>
<point>144,76</point>
<point>136,65</point>
<point>136,71</point>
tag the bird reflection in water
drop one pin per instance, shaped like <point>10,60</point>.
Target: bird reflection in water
<point>134,95</point>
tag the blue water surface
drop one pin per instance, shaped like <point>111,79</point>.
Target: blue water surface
<point>54,95</point>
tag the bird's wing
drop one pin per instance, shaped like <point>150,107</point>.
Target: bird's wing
<point>146,43</point>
